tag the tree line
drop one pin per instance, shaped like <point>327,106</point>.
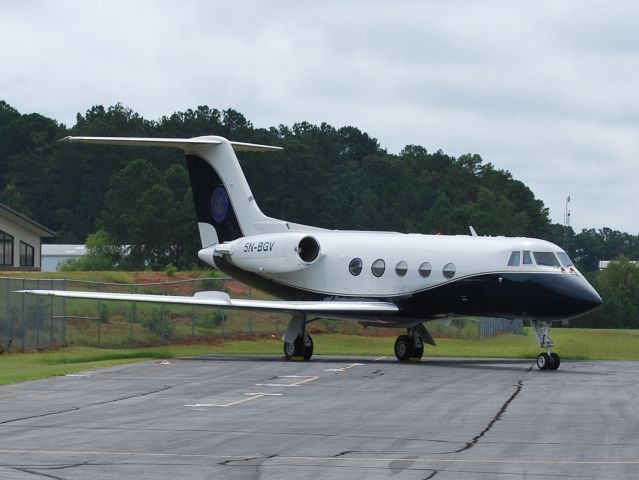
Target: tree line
<point>325,176</point>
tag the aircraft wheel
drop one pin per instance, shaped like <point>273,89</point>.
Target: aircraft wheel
<point>418,352</point>
<point>556,361</point>
<point>308,348</point>
<point>289,350</point>
<point>544,361</point>
<point>295,349</point>
<point>403,347</point>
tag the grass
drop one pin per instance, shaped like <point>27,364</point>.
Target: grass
<point>572,344</point>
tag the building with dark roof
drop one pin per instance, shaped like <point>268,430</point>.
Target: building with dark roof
<point>20,241</point>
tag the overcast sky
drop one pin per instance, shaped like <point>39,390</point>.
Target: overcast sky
<point>548,90</point>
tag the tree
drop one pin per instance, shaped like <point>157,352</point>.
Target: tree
<point>153,214</point>
<point>102,254</point>
<point>618,285</point>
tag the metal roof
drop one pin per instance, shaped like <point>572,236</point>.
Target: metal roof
<point>26,222</point>
<point>51,250</point>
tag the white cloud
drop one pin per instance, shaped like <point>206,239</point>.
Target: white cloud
<point>544,89</point>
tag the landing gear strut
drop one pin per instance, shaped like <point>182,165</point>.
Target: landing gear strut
<point>298,344</point>
<point>547,360</point>
<point>409,347</point>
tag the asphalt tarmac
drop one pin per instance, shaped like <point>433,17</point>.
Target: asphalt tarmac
<point>336,418</point>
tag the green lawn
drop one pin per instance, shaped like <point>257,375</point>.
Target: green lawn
<point>575,344</point>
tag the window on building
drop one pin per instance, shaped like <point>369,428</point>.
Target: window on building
<point>401,268</point>
<point>26,255</point>
<point>6,249</point>
<point>355,267</point>
<point>378,267</point>
<point>513,261</point>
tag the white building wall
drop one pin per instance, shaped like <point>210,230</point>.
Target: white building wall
<point>20,233</point>
<point>53,255</point>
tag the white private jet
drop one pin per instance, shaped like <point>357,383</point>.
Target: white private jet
<point>378,279</point>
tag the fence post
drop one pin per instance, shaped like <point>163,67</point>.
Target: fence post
<point>250,319</point>
<point>193,313</point>
<point>99,317</point>
<point>51,322</point>
<point>64,315</point>
<point>162,315</point>
<point>37,318</point>
<point>24,325</point>
<point>162,320</point>
<point>7,320</point>
<point>131,315</point>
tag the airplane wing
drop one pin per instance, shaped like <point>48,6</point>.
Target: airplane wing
<point>332,308</point>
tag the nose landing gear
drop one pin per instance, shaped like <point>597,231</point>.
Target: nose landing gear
<point>547,360</point>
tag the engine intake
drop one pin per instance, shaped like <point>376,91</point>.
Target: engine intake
<point>308,249</point>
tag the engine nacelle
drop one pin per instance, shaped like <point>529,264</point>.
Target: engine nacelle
<point>272,253</point>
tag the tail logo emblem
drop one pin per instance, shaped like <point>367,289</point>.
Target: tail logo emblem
<point>219,204</point>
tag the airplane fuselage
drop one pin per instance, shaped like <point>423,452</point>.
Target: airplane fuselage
<point>427,276</point>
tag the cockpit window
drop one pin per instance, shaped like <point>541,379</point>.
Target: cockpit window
<point>546,259</point>
<point>527,258</point>
<point>514,259</point>
<point>564,259</point>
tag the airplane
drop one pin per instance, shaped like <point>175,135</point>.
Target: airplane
<point>379,279</point>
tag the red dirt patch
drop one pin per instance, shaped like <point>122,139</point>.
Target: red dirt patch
<point>158,277</point>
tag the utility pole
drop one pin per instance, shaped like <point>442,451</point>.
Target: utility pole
<point>566,223</point>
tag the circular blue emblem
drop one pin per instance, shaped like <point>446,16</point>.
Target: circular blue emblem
<point>219,204</point>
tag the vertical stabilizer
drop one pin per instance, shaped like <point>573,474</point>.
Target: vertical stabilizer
<point>224,204</point>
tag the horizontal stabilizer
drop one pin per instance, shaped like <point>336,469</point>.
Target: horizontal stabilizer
<point>183,143</point>
<point>221,300</point>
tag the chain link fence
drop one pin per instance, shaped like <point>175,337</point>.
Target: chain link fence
<point>30,322</point>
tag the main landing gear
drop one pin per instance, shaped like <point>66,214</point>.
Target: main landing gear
<point>298,344</point>
<point>547,360</point>
<point>410,346</point>
<point>300,349</point>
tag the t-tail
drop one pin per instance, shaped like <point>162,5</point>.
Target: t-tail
<point>224,204</point>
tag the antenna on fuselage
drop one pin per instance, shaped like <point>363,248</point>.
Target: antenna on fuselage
<point>473,233</point>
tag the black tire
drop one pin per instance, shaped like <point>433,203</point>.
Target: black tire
<point>295,349</point>
<point>289,350</point>
<point>544,361</point>
<point>308,348</point>
<point>417,352</point>
<point>403,348</point>
<point>556,361</point>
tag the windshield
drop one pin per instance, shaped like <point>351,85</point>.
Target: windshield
<point>547,259</point>
<point>564,259</point>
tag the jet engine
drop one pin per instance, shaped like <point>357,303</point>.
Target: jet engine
<point>272,253</point>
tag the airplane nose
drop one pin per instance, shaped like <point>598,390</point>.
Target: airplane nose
<point>563,296</point>
<point>582,295</point>
<point>590,296</point>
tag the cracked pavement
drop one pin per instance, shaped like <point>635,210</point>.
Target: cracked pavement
<point>261,417</point>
